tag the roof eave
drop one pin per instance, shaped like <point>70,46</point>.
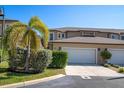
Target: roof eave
<point>84,43</point>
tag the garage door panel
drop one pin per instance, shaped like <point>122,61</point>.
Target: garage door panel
<point>117,56</point>
<point>80,55</point>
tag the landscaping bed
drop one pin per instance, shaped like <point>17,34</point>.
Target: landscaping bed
<point>7,77</point>
<point>114,67</point>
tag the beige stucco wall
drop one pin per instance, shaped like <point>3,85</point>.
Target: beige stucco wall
<point>87,45</point>
<point>100,34</point>
<point>57,46</point>
<point>73,34</point>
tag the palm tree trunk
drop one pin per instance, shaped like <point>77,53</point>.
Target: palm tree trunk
<point>26,67</point>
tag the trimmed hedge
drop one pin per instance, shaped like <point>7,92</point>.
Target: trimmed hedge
<point>38,60</point>
<point>60,59</point>
<point>4,55</point>
<point>121,70</point>
<point>17,60</point>
<point>106,65</point>
<point>41,60</point>
<point>116,66</point>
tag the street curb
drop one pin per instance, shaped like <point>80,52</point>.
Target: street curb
<point>26,83</point>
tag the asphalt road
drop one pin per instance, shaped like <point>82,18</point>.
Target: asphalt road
<point>81,82</point>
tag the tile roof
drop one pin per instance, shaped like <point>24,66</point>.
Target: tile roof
<point>90,40</point>
<point>64,29</point>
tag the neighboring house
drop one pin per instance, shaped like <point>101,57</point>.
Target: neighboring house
<point>8,22</point>
<point>85,44</point>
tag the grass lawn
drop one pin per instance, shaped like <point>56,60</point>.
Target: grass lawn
<point>11,77</point>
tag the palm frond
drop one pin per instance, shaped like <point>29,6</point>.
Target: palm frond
<point>31,36</point>
<point>35,41</point>
<point>25,39</point>
<point>14,33</point>
<point>38,25</point>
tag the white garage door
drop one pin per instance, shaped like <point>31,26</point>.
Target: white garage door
<point>117,56</point>
<point>81,55</point>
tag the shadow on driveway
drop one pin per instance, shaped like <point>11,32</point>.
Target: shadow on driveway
<point>116,78</point>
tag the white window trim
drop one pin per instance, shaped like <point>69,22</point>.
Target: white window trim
<point>53,35</point>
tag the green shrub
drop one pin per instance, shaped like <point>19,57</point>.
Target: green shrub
<point>17,60</point>
<point>38,60</point>
<point>41,60</point>
<point>113,65</point>
<point>59,59</point>
<point>4,55</point>
<point>0,53</point>
<point>106,65</point>
<point>121,69</point>
<point>3,67</point>
<point>105,55</point>
<point>116,66</point>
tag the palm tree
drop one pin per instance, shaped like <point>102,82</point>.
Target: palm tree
<point>22,35</point>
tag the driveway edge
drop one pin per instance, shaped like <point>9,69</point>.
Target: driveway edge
<point>25,83</point>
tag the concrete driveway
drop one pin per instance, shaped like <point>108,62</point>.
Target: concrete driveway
<point>90,70</point>
<point>85,76</point>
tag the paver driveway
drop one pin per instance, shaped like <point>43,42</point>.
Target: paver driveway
<point>91,70</point>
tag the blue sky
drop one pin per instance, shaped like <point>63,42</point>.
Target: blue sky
<point>70,16</point>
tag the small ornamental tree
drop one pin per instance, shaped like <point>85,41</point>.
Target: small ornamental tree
<point>26,36</point>
<point>105,54</point>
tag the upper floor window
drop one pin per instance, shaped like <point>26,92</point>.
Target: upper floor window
<point>122,37</point>
<point>63,35</point>
<point>59,35</point>
<point>52,36</point>
<point>115,36</point>
<point>88,34</point>
<point>108,35</point>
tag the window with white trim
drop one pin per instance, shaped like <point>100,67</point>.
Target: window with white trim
<point>63,35</point>
<point>51,36</point>
<point>59,35</point>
